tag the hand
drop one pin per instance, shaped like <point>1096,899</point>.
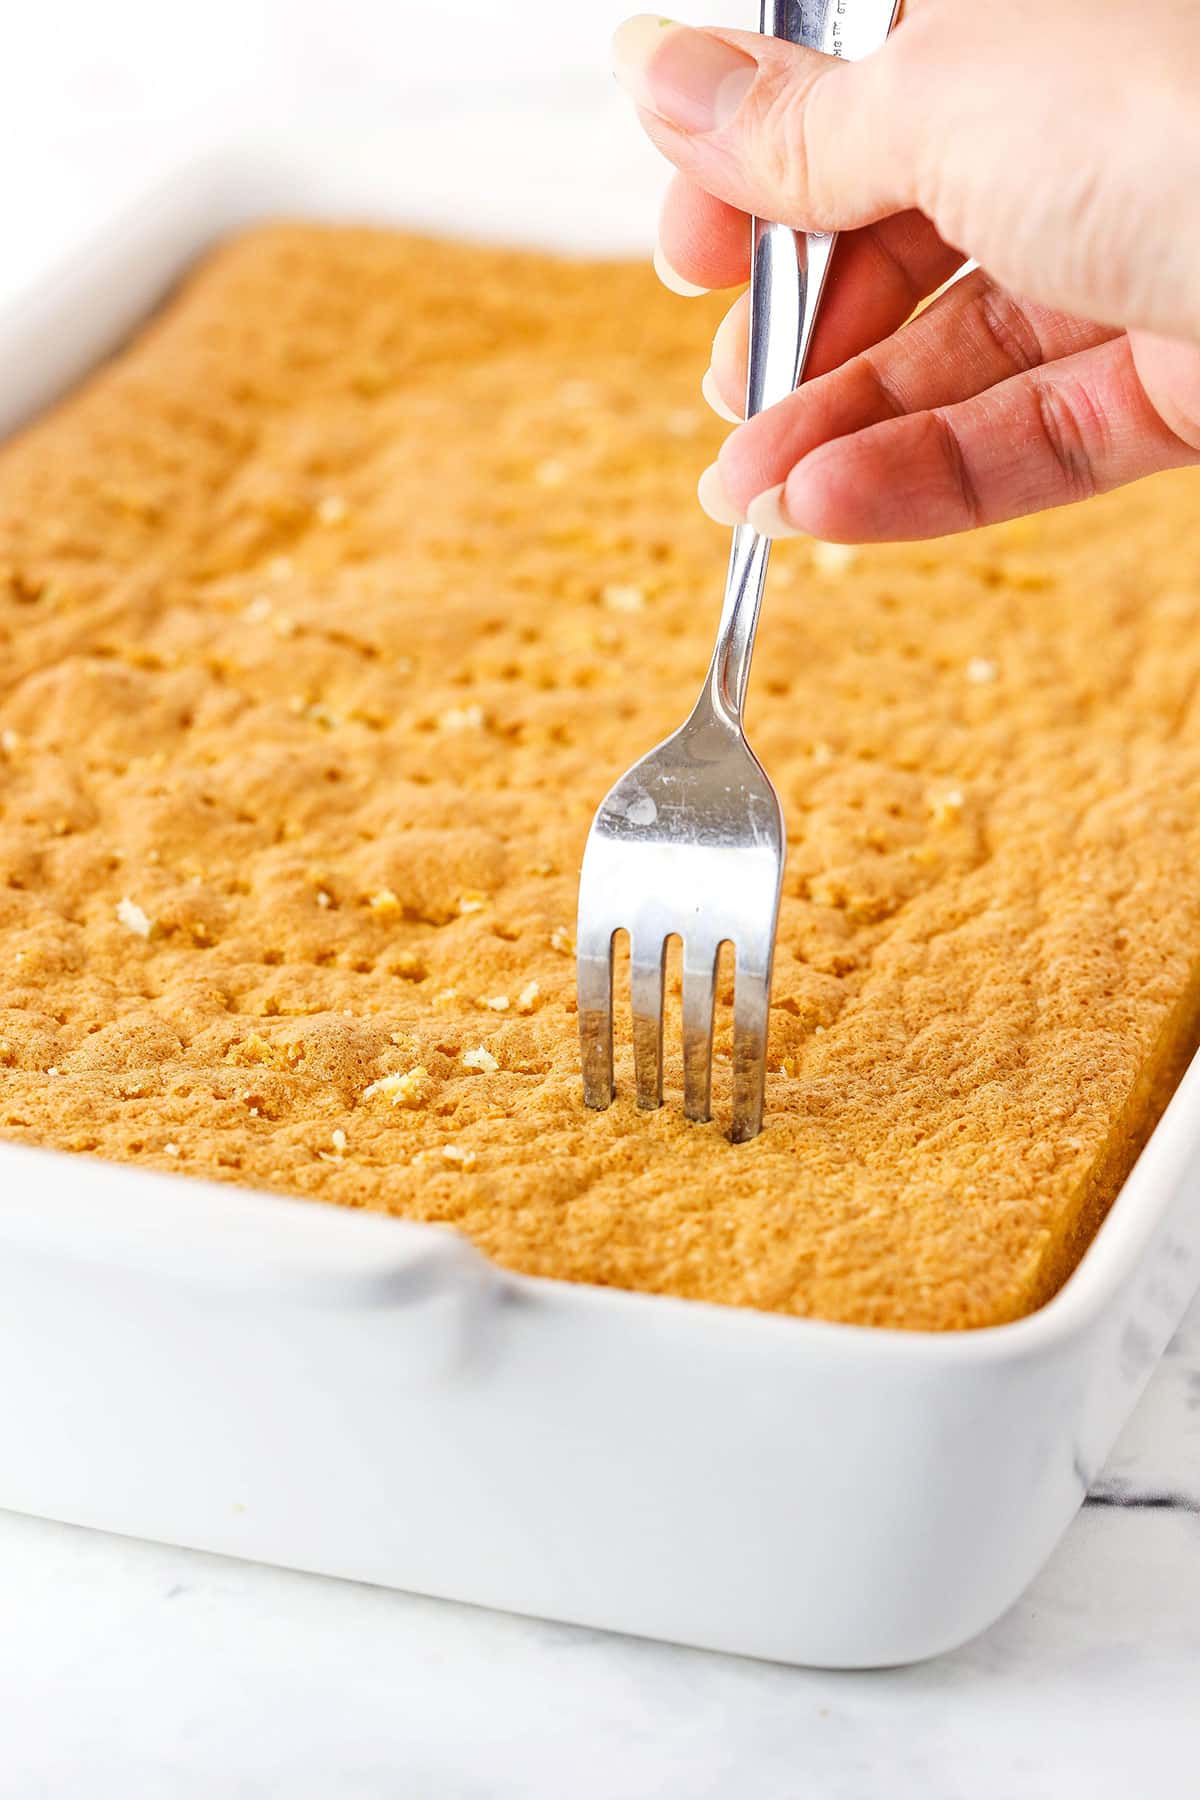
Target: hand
<point>1055,143</point>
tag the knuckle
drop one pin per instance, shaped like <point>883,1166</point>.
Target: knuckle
<point>779,145</point>
<point>780,129</point>
<point>1005,323</point>
<point>1073,430</point>
<point>959,469</point>
<point>875,367</point>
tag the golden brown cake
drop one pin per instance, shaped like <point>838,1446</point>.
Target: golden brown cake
<point>331,608</point>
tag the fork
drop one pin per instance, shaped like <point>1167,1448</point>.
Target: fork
<point>690,843</point>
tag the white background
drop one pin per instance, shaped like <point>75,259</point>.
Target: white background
<point>134,1671</point>
<point>90,92</point>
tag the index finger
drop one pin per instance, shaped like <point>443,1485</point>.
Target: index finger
<point>880,274</point>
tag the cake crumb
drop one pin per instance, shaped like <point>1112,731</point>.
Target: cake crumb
<point>833,559</point>
<point>462,718</point>
<point>339,1141</point>
<point>480,1058</point>
<point>386,905</point>
<point>495,1002</point>
<point>577,392</point>
<point>981,670</point>
<point>527,998</point>
<point>410,1090</point>
<point>623,597</point>
<point>947,805</point>
<point>332,509</point>
<point>459,1157</point>
<point>134,919</point>
<point>472,902</point>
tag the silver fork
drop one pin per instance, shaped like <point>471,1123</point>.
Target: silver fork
<point>690,843</point>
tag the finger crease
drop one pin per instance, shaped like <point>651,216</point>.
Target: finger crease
<point>887,391</point>
<point>1010,329</point>
<point>1066,433</point>
<point>776,144</point>
<point>959,468</point>
<point>912,289</point>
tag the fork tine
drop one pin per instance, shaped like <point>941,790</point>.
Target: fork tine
<point>647,984</point>
<point>595,968</point>
<point>751,1002</point>
<point>699,989</point>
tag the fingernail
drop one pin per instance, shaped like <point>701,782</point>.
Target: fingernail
<point>712,393</point>
<point>689,78</point>
<point>712,495</point>
<point>767,516</point>
<point>671,278</point>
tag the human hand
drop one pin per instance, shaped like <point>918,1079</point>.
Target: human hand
<point>1056,144</point>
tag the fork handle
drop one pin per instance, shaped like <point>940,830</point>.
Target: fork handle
<point>788,272</point>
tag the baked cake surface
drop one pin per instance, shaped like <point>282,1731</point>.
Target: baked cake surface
<point>331,608</point>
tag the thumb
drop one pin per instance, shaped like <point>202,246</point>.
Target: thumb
<point>1169,371</point>
<point>772,128</point>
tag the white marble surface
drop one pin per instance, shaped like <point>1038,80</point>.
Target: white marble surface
<point>134,1670</point>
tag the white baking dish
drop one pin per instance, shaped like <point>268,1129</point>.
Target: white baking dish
<point>369,1398</point>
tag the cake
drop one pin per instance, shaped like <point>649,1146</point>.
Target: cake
<point>332,606</point>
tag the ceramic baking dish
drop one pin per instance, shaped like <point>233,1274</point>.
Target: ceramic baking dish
<point>370,1398</point>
